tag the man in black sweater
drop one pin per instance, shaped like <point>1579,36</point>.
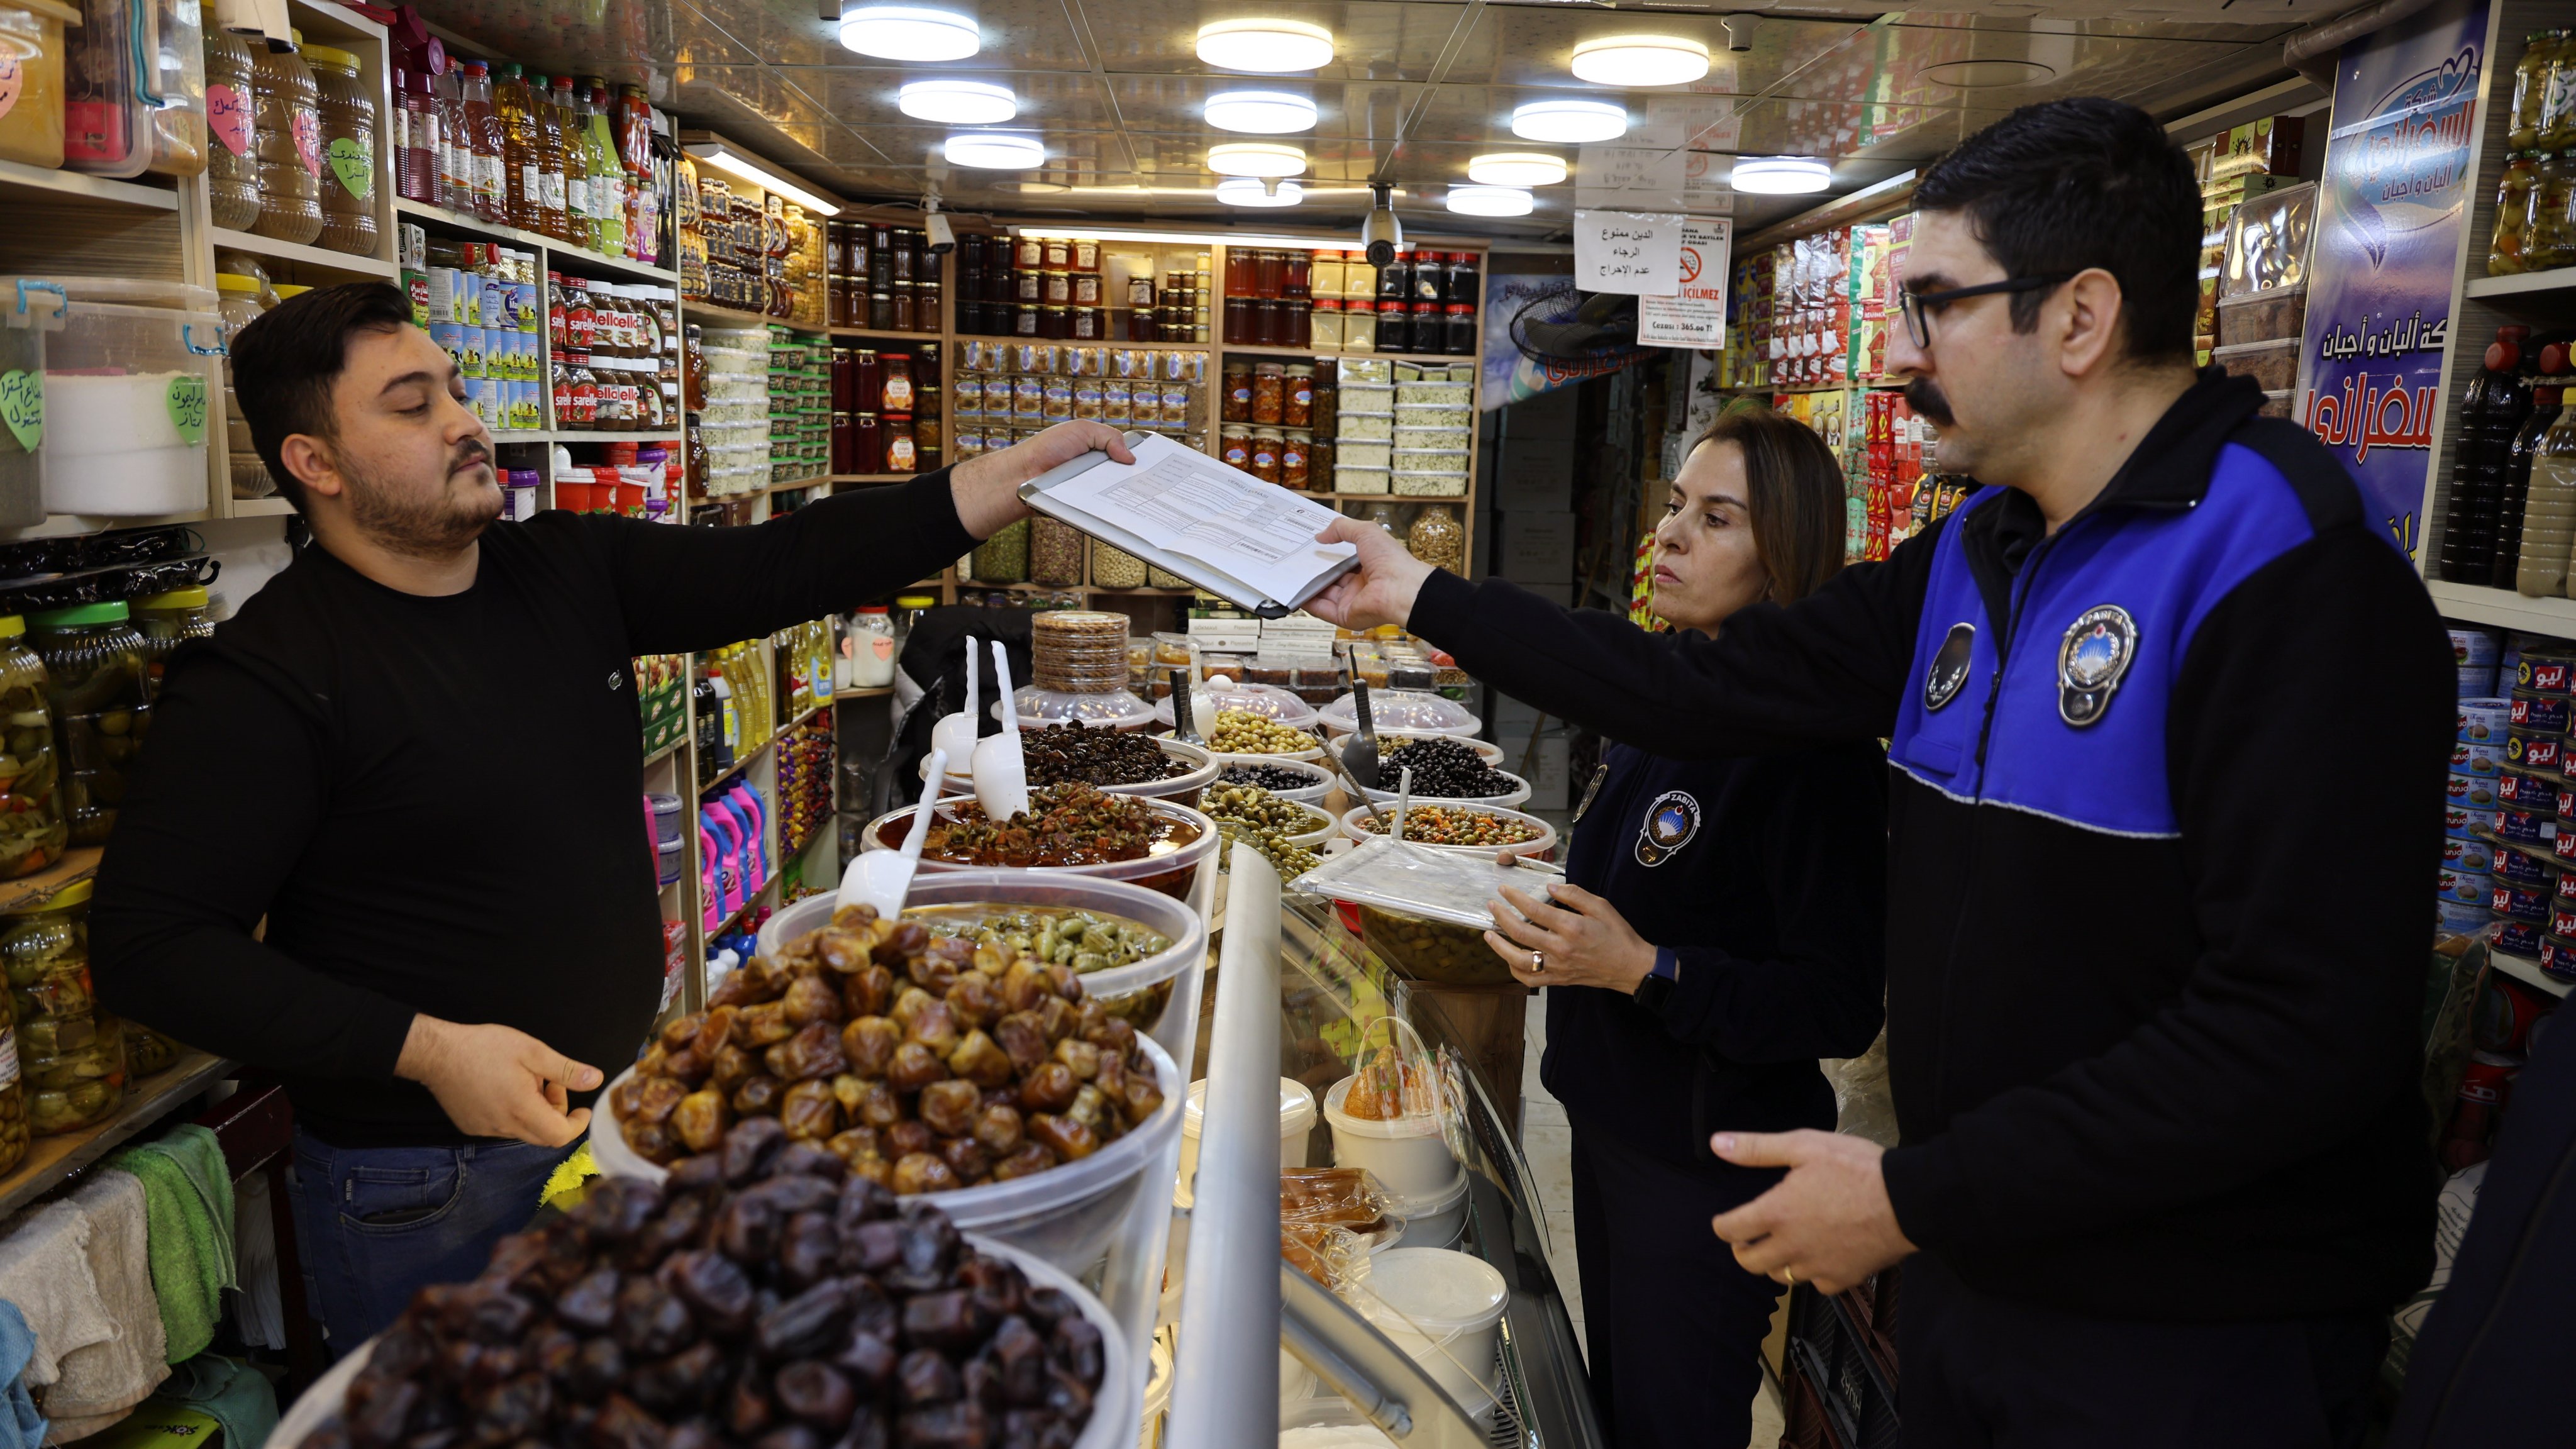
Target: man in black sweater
<point>2151,1019</point>
<point>415,753</point>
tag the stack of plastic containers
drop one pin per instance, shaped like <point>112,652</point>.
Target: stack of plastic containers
<point>734,425</point>
<point>670,852</point>
<point>1364,421</point>
<point>1434,429</point>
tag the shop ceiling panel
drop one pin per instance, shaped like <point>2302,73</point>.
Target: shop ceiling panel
<point>1524,46</point>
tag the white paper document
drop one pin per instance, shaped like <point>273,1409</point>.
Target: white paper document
<point>1217,526</point>
<point>1627,251</point>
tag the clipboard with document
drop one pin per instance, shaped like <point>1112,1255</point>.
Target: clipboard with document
<point>1215,525</point>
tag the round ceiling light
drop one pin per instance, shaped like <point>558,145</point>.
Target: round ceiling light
<point>1517,168</point>
<point>1269,46</point>
<point>909,32</point>
<point>1781,175</point>
<point>1490,201</point>
<point>1260,113</point>
<point>1255,158</point>
<point>957,102</point>
<point>994,150</point>
<point>1252,191</point>
<point>1570,123</point>
<point>1987,75</point>
<point>1640,60</point>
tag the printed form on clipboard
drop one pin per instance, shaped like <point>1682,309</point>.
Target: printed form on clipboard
<point>1217,526</point>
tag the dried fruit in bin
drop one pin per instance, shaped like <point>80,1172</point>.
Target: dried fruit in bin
<point>922,1062</point>
<point>762,1295</point>
<point>1066,825</point>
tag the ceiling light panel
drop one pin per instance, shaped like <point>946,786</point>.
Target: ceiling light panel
<point>1255,158</point>
<point>909,32</point>
<point>994,150</point>
<point>1781,175</point>
<point>1268,47</point>
<point>1249,191</point>
<point>953,102</point>
<point>1490,201</point>
<point>1570,122</point>
<point>1260,113</point>
<point>1640,60</point>
<point>1517,168</point>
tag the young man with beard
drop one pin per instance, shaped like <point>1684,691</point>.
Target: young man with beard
<point>2164,1166</point>
<point>415,754</point>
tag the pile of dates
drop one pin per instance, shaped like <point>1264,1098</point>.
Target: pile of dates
<point>762,1297</point>
<point>923,1063</point>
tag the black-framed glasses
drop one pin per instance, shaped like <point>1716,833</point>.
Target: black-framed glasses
<point>1919,307</point>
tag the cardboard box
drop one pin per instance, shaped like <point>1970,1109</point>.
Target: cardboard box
<point>1551,787</point>
<point>1548,415</point>
<point>1535,474</point>
<point>1511,717</point>
<point>1536,547</point>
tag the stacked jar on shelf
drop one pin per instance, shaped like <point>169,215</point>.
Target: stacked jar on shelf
<point>1434,430</point>
<point>751,251</point>
<point>616,363</point>
<point>1011,391</point>
<point>1065,290</point>
<point>886,410</point>
<point>800,413</point>
<point>2534,228</point>
<point>1270,425</point>
<point>883,278</point>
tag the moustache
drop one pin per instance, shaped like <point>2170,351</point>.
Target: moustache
<point>469,454</point>
<point>1927,401</point>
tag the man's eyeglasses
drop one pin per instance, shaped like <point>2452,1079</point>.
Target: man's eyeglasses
<point>1920,307</point>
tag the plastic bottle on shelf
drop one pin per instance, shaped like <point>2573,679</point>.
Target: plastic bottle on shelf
<point>348,119</point>
<point>416,125</point>
<point>580,227</point>
<point>547,122</point>
<point>455,146</point>
<point>232,112</point>
<point>2549,514</point>
<point>631,121</point>
<point>289,121</point>
<point>522,184</point>
<point>2491,409</point>
<point>2547,393</point>
<point>607,173</point>
<point>483,136</point>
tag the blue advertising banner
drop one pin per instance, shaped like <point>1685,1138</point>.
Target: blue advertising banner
<point>2391,216</point>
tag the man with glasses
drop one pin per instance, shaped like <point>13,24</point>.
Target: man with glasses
<point>2168,721</point>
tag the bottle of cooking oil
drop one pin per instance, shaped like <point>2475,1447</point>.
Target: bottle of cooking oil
<point>2549,514</point>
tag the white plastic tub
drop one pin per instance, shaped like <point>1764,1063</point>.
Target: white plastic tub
<point>1486,750</point>
<point>1434,1220</point>
<point>1445,1309</point>
<point>1540,847</point>
<point>1172,873</point>
<point>127,393</point>
<point>1518,794</point>
<point>1296,1122</point>
<point>1066,1214</point>
<point>1114,1414</point>
<point>1184,787</point>
<point>1408,1155</point>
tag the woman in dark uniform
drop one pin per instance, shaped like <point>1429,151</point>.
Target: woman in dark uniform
<point>1718,931</point>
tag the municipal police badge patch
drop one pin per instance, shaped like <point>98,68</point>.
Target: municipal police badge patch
<point>1670,823</point>
<point>2097,651</point>
<point>1950,666</point>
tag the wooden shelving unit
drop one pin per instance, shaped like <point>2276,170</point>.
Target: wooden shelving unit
<point>51,1161</point>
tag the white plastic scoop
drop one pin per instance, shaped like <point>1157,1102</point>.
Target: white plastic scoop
<point>882,878</point>
<point>956,733</point>
<point>1001,771</point>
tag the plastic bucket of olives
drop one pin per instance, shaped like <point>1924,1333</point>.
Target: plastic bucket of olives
<point>1067,843</point>
<point>1114,1411</point>
<point>1481,829</point>
<point>1118,763</point>
<point>1303,781</point>
<point>1388,742</point>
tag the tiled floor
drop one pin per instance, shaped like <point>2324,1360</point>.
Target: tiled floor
<point>1547,1143</point>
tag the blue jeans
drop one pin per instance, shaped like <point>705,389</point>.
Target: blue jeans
<point>374,1225</point>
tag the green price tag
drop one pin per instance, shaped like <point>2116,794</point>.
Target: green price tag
<point>353,160</point>
<point>22,406</point>
<point>186,401</point>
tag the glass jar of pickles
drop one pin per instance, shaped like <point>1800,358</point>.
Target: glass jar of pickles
<point>102,708</point>
<point>71,1054</point>
<point>167,621</point>
<point>32,833</point>
<point>13,1094</point>
<point>2549,231</point>
<point>2512,214</point>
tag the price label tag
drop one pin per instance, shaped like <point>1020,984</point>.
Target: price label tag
<point>186,401</point>
<point>22,406</point>
<point>228,116</point>
<point>353,160</point>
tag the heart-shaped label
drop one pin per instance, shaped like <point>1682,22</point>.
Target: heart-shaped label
<point>353,160</point>
<point>13,78</point>
<point>22,406</point>
<point>228,116</point>
<point>186,400</point>
<point>308,141</point>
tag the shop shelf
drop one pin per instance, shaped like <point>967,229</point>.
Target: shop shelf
<point>2557,279</point>
<point>262,508</point>
<point>33,183</point>
<point>878,334</point>
<point>559,255</point>
<point>2504,608</point>
<point>1435,358</point>
<point>51,1160</point>
<point>2527,971</point>
<point>303,255</point>
<point>871,477</point>
<point>713,315</point>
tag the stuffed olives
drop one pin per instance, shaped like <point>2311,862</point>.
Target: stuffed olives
<point>32,832</point>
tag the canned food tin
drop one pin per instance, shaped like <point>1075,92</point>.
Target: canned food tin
<point>2515,903</point>
<point>2540,713</point>
<point>2526,750</point>
<point>2459,822</point>
<point>2476,681</point>
<point>2522,938</point>
<point>2517,822</point>
<point>2472,646</point>
<point>2460,919</point>
<point>2558,958</point>
<point>2545,673</point>
<point>2522,867</point>
<point>2475,791</point>
<point>2517,787</point>
<point>2468,855</point>
<point>2465,885</point>
<point>2562,845</point>
<point>2562,919</point>
<point>2477,759</point>
<point>2483,721</point>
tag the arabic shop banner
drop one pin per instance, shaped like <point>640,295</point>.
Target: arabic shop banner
<point>2392,212</point>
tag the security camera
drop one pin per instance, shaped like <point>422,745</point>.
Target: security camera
<point>943,237</point>
<point>1739,31</point>
<point>1381,233</point>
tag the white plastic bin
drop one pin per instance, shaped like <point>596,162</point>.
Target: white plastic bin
<point>1433,1220</point>
<point>129,394</point>
<point>1445,1309</point>
<point>1408,1155</point>
<point>1296,1122</point>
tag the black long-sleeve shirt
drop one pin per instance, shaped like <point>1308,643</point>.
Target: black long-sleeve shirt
<point>437,802</point>
<point>1768,887</point>
<point>2151,1020</point>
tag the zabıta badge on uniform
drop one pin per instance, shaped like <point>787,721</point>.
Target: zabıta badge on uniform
<point>1670,824</point>
<point>1950,666</point>
<point>2096,653</point>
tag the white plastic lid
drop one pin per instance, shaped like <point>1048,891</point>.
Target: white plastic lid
<point>1335,1436</point>
<point>1296,1107</point>
<point>1404,709</point>
<point>1266,700</point>
<point>1439,1289</point>
<point>126,291</point>
<point>1115,708</point>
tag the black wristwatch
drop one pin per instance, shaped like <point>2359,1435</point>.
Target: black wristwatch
<point>1653,992</point>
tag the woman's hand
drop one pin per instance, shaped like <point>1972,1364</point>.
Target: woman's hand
<point>1581,940</point>
<point>1381,590</point>
<point>987,486</point>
